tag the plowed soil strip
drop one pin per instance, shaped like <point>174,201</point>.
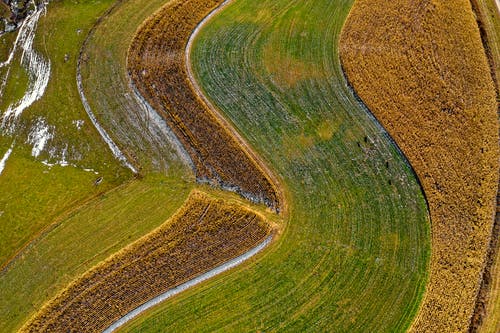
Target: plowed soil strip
<point>205,233</point>
<point>157,66</point>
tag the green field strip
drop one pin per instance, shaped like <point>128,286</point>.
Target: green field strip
<point>36,198</point>
<point>83,238</point>
<point>355,251</point>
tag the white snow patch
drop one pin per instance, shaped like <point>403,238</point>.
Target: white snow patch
<point>39,136</point>
<point>78,123</point>
<point>64,154</point>
<point>90,170</point>
<point>60,163</point>
<point>38,68</point>
<point>5,158</point>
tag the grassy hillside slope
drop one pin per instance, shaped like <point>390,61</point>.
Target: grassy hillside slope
<point>355,251</point>
<point>421,68</point>
<point>26,182</point>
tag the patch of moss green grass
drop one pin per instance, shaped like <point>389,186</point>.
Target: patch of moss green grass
<point>83,237</point>
<point>34,194</point>
<point>6,43</point>
<point>15,87</point>
<point>355,251</point>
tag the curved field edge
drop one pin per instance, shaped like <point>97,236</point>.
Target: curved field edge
<point>488,19</point>
<point>142,134</point>
<point>204,233</point>
<point>427,80</point>
<point>355,251</point>
<point>156,64</point>
<point>487,312</point>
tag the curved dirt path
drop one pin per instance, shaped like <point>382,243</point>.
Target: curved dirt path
<point>189,284</point>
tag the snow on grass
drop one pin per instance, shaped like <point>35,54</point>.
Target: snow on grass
<point>117,153</point>
<point>39,136</point>
<point>5,158</point>
<point>38,69</point>
<point>78,123</point>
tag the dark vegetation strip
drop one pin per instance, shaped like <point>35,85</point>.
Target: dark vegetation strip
<point>490,39</point>
<point>421,69</point>
<point>157,66</point>
<point>203,234</point>
<point>483,297</point>
<point>490,36</point>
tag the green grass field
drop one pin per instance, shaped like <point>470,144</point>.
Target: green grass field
<point>34,194</point>
<point>355,251</point>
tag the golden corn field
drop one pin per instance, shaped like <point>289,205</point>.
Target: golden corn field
<point>422,70</point>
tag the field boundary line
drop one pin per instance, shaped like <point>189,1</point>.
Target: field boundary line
<point>483,298</point>
<point>115,150</point>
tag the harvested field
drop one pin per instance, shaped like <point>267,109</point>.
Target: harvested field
<point>420,67</point>
<point>204,233</point>
<point>156,63</point>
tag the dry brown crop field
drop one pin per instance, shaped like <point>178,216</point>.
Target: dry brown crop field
<point>488,20</point>
<point>204,233</point>
<point>421,68</point>
<point>156,63</point>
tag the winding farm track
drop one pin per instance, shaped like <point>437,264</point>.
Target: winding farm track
<point>188,284</point>
<point>241,141</point>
